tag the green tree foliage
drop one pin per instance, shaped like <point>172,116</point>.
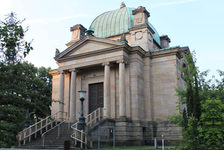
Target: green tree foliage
<point>202,118</point>
<point>19,83</point>
<point>190,134</point>
<point>22,85</point>
<point>190,96</point>
<point>220,87</point>
<point>13,47</point>
<point>211,130</point>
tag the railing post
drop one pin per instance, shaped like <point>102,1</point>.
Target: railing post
<point>35,135</point>
<point>55,119</point>
<point>85,141</point>
<point>24,139</point>
<point>95,114</point>
<point>99,113</point>
<point>90,120</point>
<point>41,124</point>
<point>19,140</point>
<point>51,122</point>
<point>29,134</point>
<point>87,119</point>
<point>43,141</point>
<point>75,139</point>
<point>81,140</point>
<point>59,130</point>
<point>46,124</point>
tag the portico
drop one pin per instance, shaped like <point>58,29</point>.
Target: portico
<point>102,68</point>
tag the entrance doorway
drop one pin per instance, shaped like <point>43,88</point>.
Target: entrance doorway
<point>95,96</point>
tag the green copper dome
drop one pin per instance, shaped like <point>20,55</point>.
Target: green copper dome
<point>116,22</point>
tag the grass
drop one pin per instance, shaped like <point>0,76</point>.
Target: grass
<point>134,148</point>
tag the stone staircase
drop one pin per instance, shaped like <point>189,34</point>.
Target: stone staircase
<point>54,131</point>
<point>81,137</point>
<point>54,139</point>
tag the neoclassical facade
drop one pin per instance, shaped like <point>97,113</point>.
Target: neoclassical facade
<point>127,69</point>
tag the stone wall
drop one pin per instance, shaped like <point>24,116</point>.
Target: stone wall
<point>136,86</point>
<point>133,132</point>
<point>55,91</point>
<point>164,84</point>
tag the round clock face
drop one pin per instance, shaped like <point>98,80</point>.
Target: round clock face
<point>138,35</point>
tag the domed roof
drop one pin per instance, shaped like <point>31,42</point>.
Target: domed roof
<point>116,22</point>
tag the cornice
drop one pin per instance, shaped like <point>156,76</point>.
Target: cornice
<point>141,26</point>
<point>183,50</point>
<point>82,41</point>
<point>76,44</point>
<point>137,50</point>
<point>123,47</point>
<point>53,72</point>
<point>167,52</point>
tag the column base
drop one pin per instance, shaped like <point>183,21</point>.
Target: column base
<point>122,118</point>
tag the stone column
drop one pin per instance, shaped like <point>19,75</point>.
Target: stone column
<point>106,90</point>
<point>61,95</point>
<point>122,90</point>
<point>73,95</point>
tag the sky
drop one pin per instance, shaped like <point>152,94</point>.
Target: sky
<point>198,24</point>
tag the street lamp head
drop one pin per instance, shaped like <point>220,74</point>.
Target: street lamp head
<point>82,94</point>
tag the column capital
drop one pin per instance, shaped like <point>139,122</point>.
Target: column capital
<point>73,70</point>
<point>61,71</point>
<point>106,64</point>
<point>125,61</point>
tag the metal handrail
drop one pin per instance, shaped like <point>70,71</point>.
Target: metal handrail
<point>97,114</point>
<point>81,133</point>
<point>43,134</point>
<point>38,126</point>
<point>94,116</point>
<point>75,128</point>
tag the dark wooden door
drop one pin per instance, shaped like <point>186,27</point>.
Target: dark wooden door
<point>95,96</point>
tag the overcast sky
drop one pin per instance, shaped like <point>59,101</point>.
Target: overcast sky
<point>198,24</point>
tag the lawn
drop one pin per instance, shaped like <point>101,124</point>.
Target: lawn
<point>134,148</point>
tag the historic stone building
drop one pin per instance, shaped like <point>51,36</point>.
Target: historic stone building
<point>127,69</point>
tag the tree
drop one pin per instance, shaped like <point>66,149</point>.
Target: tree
<point>203,117</point>
<point>191,94</point>
<point>22,85</point>
<point>191,135</point>
<point>211,129</point>
<point>13,47</point>
<point>220,86</point>
<point>19,83</point>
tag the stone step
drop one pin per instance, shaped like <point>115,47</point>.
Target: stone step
<point>52,140</point>
<point>39,147</point>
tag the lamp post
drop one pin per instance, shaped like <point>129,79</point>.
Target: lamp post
<point>81,122</point>
<point>27,123</point>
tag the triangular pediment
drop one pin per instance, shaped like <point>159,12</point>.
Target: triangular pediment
<point>88,45</point>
